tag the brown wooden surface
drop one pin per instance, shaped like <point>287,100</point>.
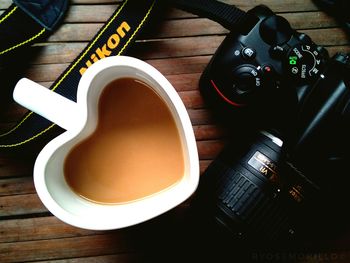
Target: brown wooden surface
<point>180,47</point>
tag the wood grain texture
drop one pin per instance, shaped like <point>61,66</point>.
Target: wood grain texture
<point>287,6</point>
<point>179,46</point>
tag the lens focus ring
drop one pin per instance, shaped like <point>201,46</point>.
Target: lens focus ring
<point>245,203</point>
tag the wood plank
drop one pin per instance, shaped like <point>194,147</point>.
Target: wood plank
<point>86,13</point>
<point>208,150</point>
<point>201,116</point>
<point>327,36</point>
<point>49,227</point>
<point>39,228</point>
<point>120,258</point>
<point>334,49</point>
<point>94,13</point>
<point>15,186</point>
<point>207,45</point>
<point>179,28</point>
<point>175,47</point>
<point>84,246</point>
<point>185,82</point>
<point>203,165</point>
<point>153,236</point>
<point>101,13</point>
<point>65,53</point>
<point>310,20</point>
<point>89,2</point>
<point>192,99</point>
<point>16,205</point>
<point>166,29</point>
<point>75,32</point>
<point>49,53</point>
<point>49,72</point>
<point>277,6</point>
<point>13,112</point>
<point>116,243</point>
<point>7,3</point>
<point>174,66</point>
<point>89,13</point>
<point>155,49</point>
<point>209,132</point>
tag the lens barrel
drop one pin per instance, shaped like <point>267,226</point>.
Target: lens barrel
<point>246,193</point>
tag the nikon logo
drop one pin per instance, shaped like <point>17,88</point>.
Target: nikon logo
<point>106,50</point>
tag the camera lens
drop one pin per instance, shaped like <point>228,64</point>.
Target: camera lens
<point>246,193</point>
<point>248,190</point>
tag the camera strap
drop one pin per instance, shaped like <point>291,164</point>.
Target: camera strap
<point>27,22</point>
<point>113,39</point>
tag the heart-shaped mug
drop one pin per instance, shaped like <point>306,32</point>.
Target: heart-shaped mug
<point>81,119</point>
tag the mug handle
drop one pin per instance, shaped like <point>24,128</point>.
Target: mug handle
<point>47,103</point>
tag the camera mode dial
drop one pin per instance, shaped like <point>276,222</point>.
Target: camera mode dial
<point>304,62</point>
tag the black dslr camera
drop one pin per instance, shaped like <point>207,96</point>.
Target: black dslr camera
<point>287,104</point>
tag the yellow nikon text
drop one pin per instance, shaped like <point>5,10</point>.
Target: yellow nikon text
<point>106,49</point>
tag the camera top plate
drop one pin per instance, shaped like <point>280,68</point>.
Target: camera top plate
<point>262,56</point>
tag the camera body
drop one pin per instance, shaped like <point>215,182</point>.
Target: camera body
<point>262,65</point>
<point>287,105</point>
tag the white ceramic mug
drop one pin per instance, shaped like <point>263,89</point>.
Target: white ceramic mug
<point>80,120</point>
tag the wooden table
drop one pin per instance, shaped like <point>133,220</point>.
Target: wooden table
<point>180,47</point>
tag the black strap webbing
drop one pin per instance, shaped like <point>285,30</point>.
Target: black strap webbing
<point>27,22</point>
<point>113,39</point>
<point>18,30</point>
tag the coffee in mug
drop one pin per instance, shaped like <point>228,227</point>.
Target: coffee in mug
<point>135,150</point>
